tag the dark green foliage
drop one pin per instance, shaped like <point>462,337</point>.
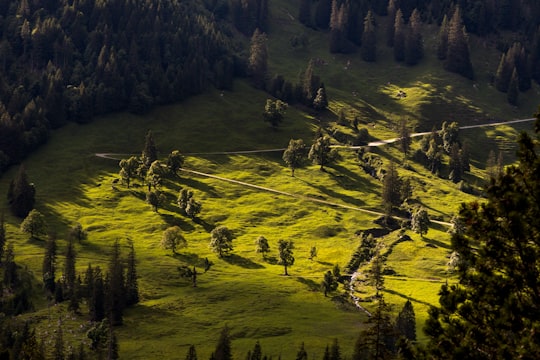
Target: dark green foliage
<point>457,55</point>
<point>221,240</point>
<point>58,350</point>
<point>513,89</point>
<point>302,353</point>
<point>128,169</point>
<point>320,151</point>
<point>11,277</point>
<point>420,221</point>
<point>295,154</point>
<point>3,238</point>
<point>404,137</point>
<point>499,245</point>
<point>49,265</point>
<point>132,287</point>
<point>392,189</point>
<point>78,233</point>
<point>258,59</point>
<point>321,101</point>
<point>96,303</point>
<point>286,258</point>
<point>449,135</point>
<point>70,284</point>
<point>192,353</point>
<point>115,290</point>
<point>414,43</point>
<point>175,161</point>
<point>112,346</point>
<point>34,224</point>
<point>329,283</point>
<point>455,165</point>
<point>406,322</point>
<point>156,199</point>
<point>223,348</point>
<point>390,29</point>
<point>310,84</point>
<point>442,40</point>
<point>150,152</point>
<point>274,112</point>
<point>322,13</point>
<point>262,245</point>
<point>399,37</point>
<point>335,351</point>
<point>21,194</point>
<point>369,39</point>
<point>304,12</point>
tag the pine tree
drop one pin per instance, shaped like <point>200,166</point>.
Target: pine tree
<point>406,322</point>
<point>21,194</point>
<point>115,291</point>
<point>399,37</point>
<point>455,166</point>
<point>322,13</point>
<point>310,83</point>
<point>442,40</point>
<point>404,137</point>
<point>192,353</point>
<point>149,153</point>
<point>369,39</point>
<point>513,89</point>
<point>390,28</point>
<point>132,288</point>
<point>97,300</point>
<point>457,56</point>
<point>391,192</point>
<point>304,12</point>
<point>504,74</point>
<point>414,43</point>
<point>58,351</point>
<point>223,348</point>
<point>499,247</point>
<point>258,59</point>
<point>49,265</point>
<point>3,239</point>
<point>70,286</point>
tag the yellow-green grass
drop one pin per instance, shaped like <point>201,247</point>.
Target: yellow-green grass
<point>244,291</point>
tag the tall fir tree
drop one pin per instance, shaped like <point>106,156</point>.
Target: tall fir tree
<point>442,40</point>
<point>399,37</point>
<point>369,39</point>
<point>503,74</point>
<point>70,276</point>
<point>457,55</point>
<point>49,265</point>
<point>115,290</point>
<point>513,89</point>
<point>3,238</point>
<point>132,287</point>
<point>406,322</point>
<point>150,152</point>
<point>258,59</point>
<point>97,301</point>
<point>414,43</point>
<point>390,25</point>
<point>497,295</point>
<point>21,194</point>
<point>223,349</point>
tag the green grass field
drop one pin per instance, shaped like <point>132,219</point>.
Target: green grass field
<point>245,292</point>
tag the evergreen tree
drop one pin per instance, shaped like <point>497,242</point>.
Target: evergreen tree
<point>369,39</point>
<point>112,345</point>
<point>304,12</point>
<point>58,351</point>
<point>399,37</point>
<point>406,322</point>
<point>150,152</point>
<point>70,276</point>
<point>192,353</point>
<point>295,154</point>
<point>2,237</point>
<point>391,192</point>
<point>115,291</point>
<point>329,283</point>
<point>456,168</point>
<point>420,221</point>
<point>504,74</point>
<point>513,89</point>
<point>442,40</point>
<point>322,13</point>
<point>404,137</point>
<point>310,83</point>
<point>257,352</point>
<point>132,287</point>
<point>414,43</point>
<point>500,249</point>
<point>78,233</point>
<point>320,102</point>
<point>21,194</point>
<point>96,304</point>
<point>302,353</point>
<point>258,59</point>
<point>49,265</point>
<point>390,29</point>
<point>11,276</point>
<point>457,56</point>
<point>465,158</point>
<point>223,348</point>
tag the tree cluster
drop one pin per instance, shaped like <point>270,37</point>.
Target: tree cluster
<point>68,61</point>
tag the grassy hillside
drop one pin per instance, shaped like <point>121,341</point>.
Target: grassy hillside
<point>245,292</point>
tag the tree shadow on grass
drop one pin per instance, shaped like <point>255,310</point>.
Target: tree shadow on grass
<point>436,243</point>
<point>311,284</point>
<point>393,292</point>
<point>234,259</point>
<point>172,220</point>
<point>199,185</point>
<point>189,259</point>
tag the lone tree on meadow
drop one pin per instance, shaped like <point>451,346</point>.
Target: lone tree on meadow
<point>295,154</point>
<point>329,283</point>
<point>420,221</point>
<point>221,240</point>
<point>286,257</point>
<point>172,239</point>
<point>34,224</point>
<point>274,112</point>
<point>78,233</point>
<point>175,161</point>
<point>21,194</point>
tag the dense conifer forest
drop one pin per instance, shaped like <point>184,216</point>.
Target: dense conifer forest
<point>72,61</point>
